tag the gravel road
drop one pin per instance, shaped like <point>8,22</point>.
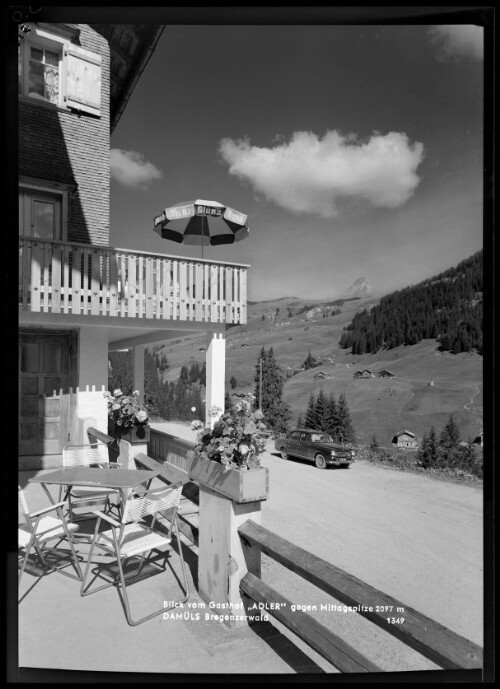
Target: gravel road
<point>415,538</point>
<point>410,536</point>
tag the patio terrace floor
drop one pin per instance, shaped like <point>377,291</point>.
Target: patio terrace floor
<point>59,629</point>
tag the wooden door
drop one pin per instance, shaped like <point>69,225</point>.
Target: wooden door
<point>44,393</point>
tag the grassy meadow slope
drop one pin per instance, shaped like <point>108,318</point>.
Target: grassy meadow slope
<point>378,406</point>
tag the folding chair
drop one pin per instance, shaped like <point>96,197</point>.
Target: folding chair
<point>87,455</point>
<point>128,538</point>
<point>36,529</point>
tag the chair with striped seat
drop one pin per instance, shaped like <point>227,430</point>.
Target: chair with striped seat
<point>96,455</point>
<point>37,529</point>
<point>133,537</point>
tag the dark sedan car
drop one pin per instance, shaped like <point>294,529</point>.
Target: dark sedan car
<point>316,446</point>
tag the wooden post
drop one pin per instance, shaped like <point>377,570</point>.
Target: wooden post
<point>127,452</point>
<point>223,558</point>
<point>216,365</point>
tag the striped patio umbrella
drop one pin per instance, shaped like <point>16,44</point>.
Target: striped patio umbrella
<point>201,222</point>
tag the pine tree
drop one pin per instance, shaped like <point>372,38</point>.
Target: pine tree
<point>300,422</point>
<point>276,412</point>
<point>151,384</point>
<point>184,375</point>
<point>374,443</point>
<point>422,452</point>
<point>120,371</point>
<point>233,382</point>
<point>310,417</point>
<point>310,361</point>
<point>468,456</point>
<point>194,373</point>
<point>449,443</point>
<point>320,411</point>
<point>331,417</point>
<point>346,428</point>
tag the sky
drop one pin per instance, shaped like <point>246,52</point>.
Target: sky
<point>355,151</point>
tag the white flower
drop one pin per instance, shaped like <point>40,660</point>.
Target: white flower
<point>136,393</point>
<point>196,425</point>
<point>117,392</point>
<point>116,406</point>
<point>243,449</point>
<point>141,416</point>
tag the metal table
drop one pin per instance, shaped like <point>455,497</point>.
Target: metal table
<point>123,480</point>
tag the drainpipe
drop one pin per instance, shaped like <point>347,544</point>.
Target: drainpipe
<point>135,75</point>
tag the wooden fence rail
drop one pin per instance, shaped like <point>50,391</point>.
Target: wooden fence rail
<point>434,641</point>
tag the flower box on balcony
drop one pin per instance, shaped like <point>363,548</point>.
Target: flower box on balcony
<point>246,485</point>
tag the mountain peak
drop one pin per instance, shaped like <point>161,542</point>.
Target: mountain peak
<point>362,287</point>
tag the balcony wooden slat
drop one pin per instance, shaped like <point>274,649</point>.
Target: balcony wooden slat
<point>166,301</point>
<point>229,295</point>
<point>56,279</point>
<point>123,301</point>
<point>113,284</point>
<point>25,272</point>
<point>65,286</point>
<point>86,279</point>
<point>149,287</point>
<point>236,295</point>
<point>130,285</point>
<point>221,300</point>
<point>198,285</point>
<point>175,291</point>
<point>95,284</point>
<point>104,300</point>
<point>47,260</point>
<point>243,296</point>
<point>35,282</point>
<point>158,300</point>
<point>206,292</point>
<point>76,290</point>
<point>182,290</point>
<point>213,293</point>
<point>140,306</point>
<point>191,291</point>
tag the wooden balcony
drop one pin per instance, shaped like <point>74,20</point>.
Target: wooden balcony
<point>90,280</point>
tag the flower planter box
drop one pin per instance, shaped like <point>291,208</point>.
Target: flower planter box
<point>135,435</point>
<point>241,486</point>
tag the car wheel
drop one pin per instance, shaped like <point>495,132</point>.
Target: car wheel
<point>320,462</point>
<point>284,453</point>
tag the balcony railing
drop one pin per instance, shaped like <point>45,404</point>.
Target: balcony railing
<point>85,279</point>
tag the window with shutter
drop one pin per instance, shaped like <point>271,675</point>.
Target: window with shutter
<point>83,80</point>
<point>54,71</point>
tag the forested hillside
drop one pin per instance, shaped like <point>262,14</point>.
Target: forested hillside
<point>448,307</point>
<point>166,400</point>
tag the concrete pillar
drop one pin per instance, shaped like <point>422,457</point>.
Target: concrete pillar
<point>223,560</point>
<point>138,370</point>
<point>216,373</point>
<point>87,403</point>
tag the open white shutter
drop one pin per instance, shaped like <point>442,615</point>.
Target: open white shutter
<point>83,79</point>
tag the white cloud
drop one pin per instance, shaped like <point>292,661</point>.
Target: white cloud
<point>130,169</point>
<point>458,40</point>
<point>309,175</point>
